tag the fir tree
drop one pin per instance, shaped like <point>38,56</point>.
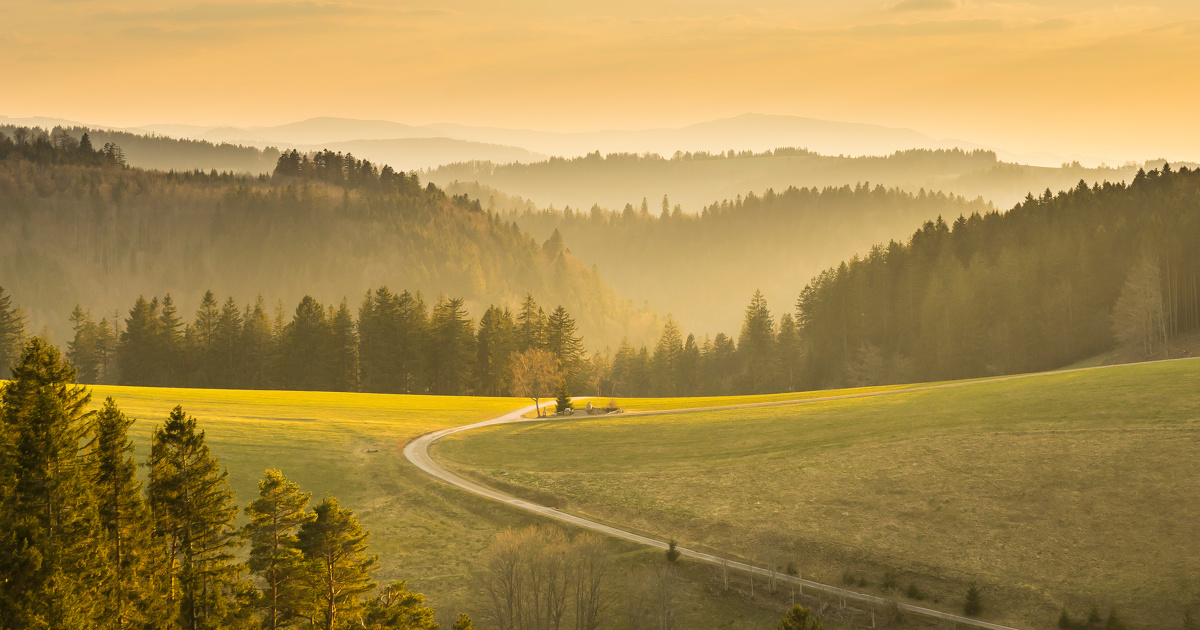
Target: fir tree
<point>800,618</point>
<point>339,571</point>
<point>275,516</point>
<point>756,344</point>
<point>397,608</point>
<point>973,604</point>
<point>193,511</point>
<point>12,333</point>
<point>531,326</point>
<point>494,346</point>
<point>128,593</point>
<point>49,523</point>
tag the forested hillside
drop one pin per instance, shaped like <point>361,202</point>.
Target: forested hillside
<point>1052,281</point>
<point>164,153</point>
<point>77,231</point>
<point>694,180</point>
<point>702,268</point>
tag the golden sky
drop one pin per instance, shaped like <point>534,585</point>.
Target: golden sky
<point>1116,80</point>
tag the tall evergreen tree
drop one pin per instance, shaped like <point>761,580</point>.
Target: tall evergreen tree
<point>275,517</point>
<point>531,325</point>
<point>129,590</point>
<point>139,351</point>
<point>787,345</point>
<point>171,356</point>
<point>563,341</point>
<point>664,370</point>
<point>193,511</point>
<point>49,523</point>
<point>344,349</point>
<point>495,343</point>
<point>335,547</point>
<point>12,333</point>
<point>227,348</point>
<point>452,347</point>
<point>307,348</point>
<point>203,343</point>
<point>756,345</point>
<point>84,349</point>
<point>259,343</point>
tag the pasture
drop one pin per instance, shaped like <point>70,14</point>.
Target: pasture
<point>1069,488</point>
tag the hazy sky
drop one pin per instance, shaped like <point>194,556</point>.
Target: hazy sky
<point>1118,80</point>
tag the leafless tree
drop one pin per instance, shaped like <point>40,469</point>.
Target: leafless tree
<point>535,375</point>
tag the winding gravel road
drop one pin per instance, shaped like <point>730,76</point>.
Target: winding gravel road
<point>417,452</point>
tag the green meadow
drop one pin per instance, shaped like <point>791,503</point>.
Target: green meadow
<point>1061,489</point>
<point>349,445</point>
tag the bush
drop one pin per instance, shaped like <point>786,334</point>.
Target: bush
<point>1114,621</point>
<point>1094,615</point>
<point>1064,620</point>
<point>862,582</point>
<point>889,580</point>
<point>800,618</point>
<point>672,553</point>
<point>848,579</point>
<point>792,570</point>
<point>973,606</point>
<point>914,593</point>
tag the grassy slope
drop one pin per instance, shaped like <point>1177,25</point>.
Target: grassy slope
<point>1060,488</point>
<point>349,445</point>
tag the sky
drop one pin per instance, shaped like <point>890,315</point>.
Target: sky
<point>1116,80</point>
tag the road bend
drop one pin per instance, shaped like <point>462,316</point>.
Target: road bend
<point>417,452</point>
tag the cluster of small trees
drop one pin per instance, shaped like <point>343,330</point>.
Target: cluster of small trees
<point>395,344</point>
<point>83,546</point>
<point>57,147</point>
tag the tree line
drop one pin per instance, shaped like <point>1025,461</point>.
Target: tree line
<point>392,343</point>
<point>85,544</point>
<point>1057,279</point>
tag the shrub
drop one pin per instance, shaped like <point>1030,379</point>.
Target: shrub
<point>800,618</point>
<point>889,580</point>
<point>1064,620</point>
<point>914,593</point>
<point>862,582</point>
<point>848,579</point>
<point>1094,615</point>
<point>973,606</point>
<point>1114,621</point>
<point>792,570</point>
<point>672,552</point>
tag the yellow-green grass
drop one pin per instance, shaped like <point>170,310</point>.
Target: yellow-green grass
<point>349,445</point>
<point>1074,488</point>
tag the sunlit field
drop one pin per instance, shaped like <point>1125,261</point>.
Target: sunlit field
<point>349,445</point>
<point>1074,489</point>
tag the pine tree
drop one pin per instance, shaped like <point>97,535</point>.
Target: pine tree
<point>973,604</point>
<point>202,341</point>
<point>452,347</point>
<point>463,623</point>
<point>562,340</point>
<point>49,523</point>
<point>788,347</point>
<point>307,346</point>
<point>227,348</point>
<point>664,374</point>
<point>259,342</point>
<point>170,356</point>
<point>494,345</point>
<point>531,326</point>
<point>12,333</point>
<point>397,608</point>
<point>275,516</point>
<point>138,351</point>
<point>344,341</point>
<point>756,344</point>
<point>129,594</point>
<point>83,351</point>
<point>193,511</point>
<point>334,547</point>
<point>563,399</point>
<point>800,618</point>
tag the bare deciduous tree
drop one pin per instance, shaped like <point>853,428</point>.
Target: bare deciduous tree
<point>538,579</point>
<point>535,375</point>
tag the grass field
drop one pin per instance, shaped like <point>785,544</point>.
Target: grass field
<point>349,445</point>
<point>1073,488</point>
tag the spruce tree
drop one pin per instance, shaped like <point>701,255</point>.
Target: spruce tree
<point>12,333</point>
<point>531,325</point>
<point>756,344</point>
<point>275,516</point>
<point>495,343</point>
<point>800,618</point>
<point>334,546</point>
<point>564,342</point>
<point>170,356</point>
<point>129,593</point>
<point>463,623</point>
<point>344,349</point>
<point>451,347</point>
<point>397,608</point>
<point>973,604</point>
<point>139,350</point>
<point>49,524</point>
<point>193,511</point>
